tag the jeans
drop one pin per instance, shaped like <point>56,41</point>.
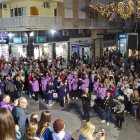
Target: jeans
<point>20,93</point>
<point>61,101</point>
<point>134,111</point>
<point>106,115</point>
<point>119,121</point>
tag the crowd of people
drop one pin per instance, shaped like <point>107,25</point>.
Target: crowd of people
<point>114,81</point>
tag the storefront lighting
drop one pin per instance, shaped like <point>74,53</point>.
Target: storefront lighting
<point>10,35</point>
<point>124,8</point>
<point>31,34</point>
<point>52,31</point>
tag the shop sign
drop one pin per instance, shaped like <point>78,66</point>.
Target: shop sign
<point>17,40</point>
<point>40,39</point>
<point>109,43</point>
<point>122,36</point>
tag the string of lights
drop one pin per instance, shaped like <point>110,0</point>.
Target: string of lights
<point>124,8</point>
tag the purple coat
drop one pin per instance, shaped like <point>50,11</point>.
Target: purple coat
<point>35,86</point>
<point>44,84</point>
<point>85,84</point>
<point>5,105</point>
<point>102,92</point>
<point>70,77</point>
<point>74,83</point>
<point>96,86</point>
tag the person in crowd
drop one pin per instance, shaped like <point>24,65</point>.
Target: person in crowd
<point>5,103</point>
<point>86,98</point>
<point>74,81</point>
<point>30,133</point>
<point>59,132</point>
<point>35,88</point>
<point>44,129</point>
<point>10,87</point>
<point>19,86</point>
<point>134,101</point>
<point>87,130</point>
<point>30,79</point>
<point>19,114</point>
<point>107,107</point>
<point>101,94</point>
<point>50,91</point>
<point>66,97</point>
<point>34,118</point>
<point>119,111</point>
<point>44,82</point>
<point>127,97</point>
<point>2,86</point>
<point>96,85</point>
<point>61,93</point>
<point>18,133</point>
<point>7,125</point>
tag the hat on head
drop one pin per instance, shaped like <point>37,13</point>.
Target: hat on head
<point>87,129</point>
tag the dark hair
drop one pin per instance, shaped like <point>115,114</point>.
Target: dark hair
<point>33,120</point>
<point>44,119</point>
<point>7,125</point>
<point>121,101</point>
<point>58,125</point>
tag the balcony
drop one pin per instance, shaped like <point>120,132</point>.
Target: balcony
<point>104,24</point>
<point>30,22</point>
<point>98,23</point>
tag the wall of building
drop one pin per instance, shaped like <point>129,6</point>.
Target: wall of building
<point>49,12</point>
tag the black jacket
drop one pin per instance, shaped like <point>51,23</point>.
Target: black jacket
<point>108,103</point>
<point>86,100</point>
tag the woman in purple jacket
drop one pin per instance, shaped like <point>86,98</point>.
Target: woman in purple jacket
<point>35,87</point>
<point>96,85</point>
<point>44,83</point>
<point>74,92</point>
<point>101,93</point>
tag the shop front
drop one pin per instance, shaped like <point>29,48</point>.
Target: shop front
<point>4,47</point>
<point>109,45</point>
<point>122,43</point>
<point>44,50</point>
<point>81,46</point>
<point>17,48</point>
<point>61,49</point>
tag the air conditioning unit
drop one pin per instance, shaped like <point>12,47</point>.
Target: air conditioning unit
<point>65,33</point>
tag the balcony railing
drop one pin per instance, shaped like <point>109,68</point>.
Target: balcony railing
<point>99,23</point>
<point>31,22</point>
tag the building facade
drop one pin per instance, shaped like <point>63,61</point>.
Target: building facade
<point>38,27</point>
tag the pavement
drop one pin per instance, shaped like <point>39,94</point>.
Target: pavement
<point>72,114</point>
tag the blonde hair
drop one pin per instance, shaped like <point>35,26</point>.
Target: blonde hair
<point>87,129</point>
<point>31,131</point>
<point>135,94</point>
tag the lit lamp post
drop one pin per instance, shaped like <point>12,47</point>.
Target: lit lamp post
<point>52,33</point>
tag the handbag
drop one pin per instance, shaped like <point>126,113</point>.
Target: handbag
<point>55,95</point>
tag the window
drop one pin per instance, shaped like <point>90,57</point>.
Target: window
<point>12,12</point>
<point>46,5</point>
<point>55,12</point>
<point>21,11</point>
